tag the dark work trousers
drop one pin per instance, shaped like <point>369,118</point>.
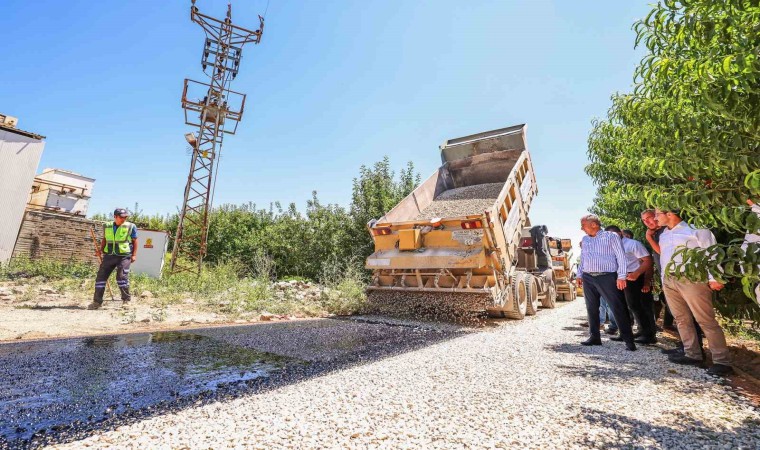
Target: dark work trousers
<point>641,306</point>
<point>111,262</point>
<point>605,285</point>
<point>667,320</point>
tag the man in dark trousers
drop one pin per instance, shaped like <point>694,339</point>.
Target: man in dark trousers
<point>639,262</point>
<point>118,250</point>
<point>602,272</point>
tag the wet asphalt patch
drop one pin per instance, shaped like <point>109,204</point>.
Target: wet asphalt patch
<point>63,390</point>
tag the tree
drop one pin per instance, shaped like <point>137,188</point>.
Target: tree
<point>375,192</point>
<point>688,136</point>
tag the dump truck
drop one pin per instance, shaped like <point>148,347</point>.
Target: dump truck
<point>462,232</point>
<point>562,262</point>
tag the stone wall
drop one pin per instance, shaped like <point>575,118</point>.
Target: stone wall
<point>57,236</point>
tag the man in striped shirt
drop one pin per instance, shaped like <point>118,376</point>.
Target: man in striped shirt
<point>602,272</point>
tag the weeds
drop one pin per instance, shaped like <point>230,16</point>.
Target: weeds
<point>128,316</point>
<point>158,312</point>
<point>47,269</point>
<point>344,283</point>
<point>230,287</point>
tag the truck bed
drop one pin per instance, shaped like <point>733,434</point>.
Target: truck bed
<point>464,201</point>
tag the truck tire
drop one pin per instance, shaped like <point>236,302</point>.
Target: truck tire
<point>519,304</point>
<point>531,285</point>
<point>550,299</point>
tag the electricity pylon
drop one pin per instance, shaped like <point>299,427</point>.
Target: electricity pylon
<point>216,114</point>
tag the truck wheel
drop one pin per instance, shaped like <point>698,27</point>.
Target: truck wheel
<point>531,285</point>
<point>550,299</point>
<point>517,308</point>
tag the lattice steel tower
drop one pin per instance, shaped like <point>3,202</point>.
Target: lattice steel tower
<point>217,110</point>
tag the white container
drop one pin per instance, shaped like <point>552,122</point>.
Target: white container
<point>62,191</point>
<point>151,252</point>
<point>20,154</point>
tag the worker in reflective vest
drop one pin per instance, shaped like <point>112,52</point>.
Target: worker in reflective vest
<point>118,250</point>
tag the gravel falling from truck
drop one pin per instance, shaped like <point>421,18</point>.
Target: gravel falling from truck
<point>463,201</point>
<point>463,308</point>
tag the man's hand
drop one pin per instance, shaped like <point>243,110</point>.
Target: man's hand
<point>98,253</point>
<point>621,284</point>
<point>579,281</point>
<point>715,286</point>
<point>633,276</point>
<point>646,288</point>
<point>650,233</point>
<point>133,258</point>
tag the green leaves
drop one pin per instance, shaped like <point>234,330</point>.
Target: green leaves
<point>688,137</point>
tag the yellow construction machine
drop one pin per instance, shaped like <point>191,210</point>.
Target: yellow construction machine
<point>562,263</point>
<point>462,231</point>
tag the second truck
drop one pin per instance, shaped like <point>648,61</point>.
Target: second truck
<point>465,232</point>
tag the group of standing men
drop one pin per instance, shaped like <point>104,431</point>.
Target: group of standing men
<point>618,270</point>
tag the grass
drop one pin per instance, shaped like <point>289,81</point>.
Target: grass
<point>228,288</point>
<point>741,330</point>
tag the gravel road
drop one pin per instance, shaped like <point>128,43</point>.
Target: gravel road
<point>525,384</point>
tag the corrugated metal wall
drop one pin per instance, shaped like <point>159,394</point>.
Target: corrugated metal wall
<point>19,158</point>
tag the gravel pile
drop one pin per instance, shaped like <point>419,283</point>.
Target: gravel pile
<point>523,384</point>
<point>462,201</point>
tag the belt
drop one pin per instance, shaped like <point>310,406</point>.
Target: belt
<point>598,274</point>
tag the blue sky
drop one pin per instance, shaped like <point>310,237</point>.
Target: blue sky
<point>332,86</point>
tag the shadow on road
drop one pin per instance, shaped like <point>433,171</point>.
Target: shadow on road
<point>690,432</point>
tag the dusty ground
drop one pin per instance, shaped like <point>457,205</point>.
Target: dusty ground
<point>41,311</point>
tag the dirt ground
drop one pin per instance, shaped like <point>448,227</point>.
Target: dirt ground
<point>47,313</point>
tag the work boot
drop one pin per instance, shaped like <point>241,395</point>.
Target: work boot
<point>672,351</point>
<point>94,305</point>
<point>592,341</point>
<point>646,340</point>
<point>684,360</point>
<point>719,370</point>
<point>125,304</point>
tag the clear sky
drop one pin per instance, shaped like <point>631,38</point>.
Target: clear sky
<point>332,86</point>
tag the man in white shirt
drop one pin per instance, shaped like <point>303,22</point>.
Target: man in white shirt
<point>687,298</point>
<point>638,261</point>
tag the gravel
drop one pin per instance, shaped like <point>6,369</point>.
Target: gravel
<point>462,201</point>
<point>465,308</point>
<point>517,384</point>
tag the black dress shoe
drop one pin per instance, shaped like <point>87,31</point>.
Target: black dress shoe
<point>638,334</point>
<point>720,370</point>
<point>592,341</point>
<point>646,340</point>
<point>684,360</point>
<point>617,338</point>
<point>673,351</point>
<point>630,346</point>
<point>611,331</point>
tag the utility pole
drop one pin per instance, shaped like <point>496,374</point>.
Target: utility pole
<point>214,115</point>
